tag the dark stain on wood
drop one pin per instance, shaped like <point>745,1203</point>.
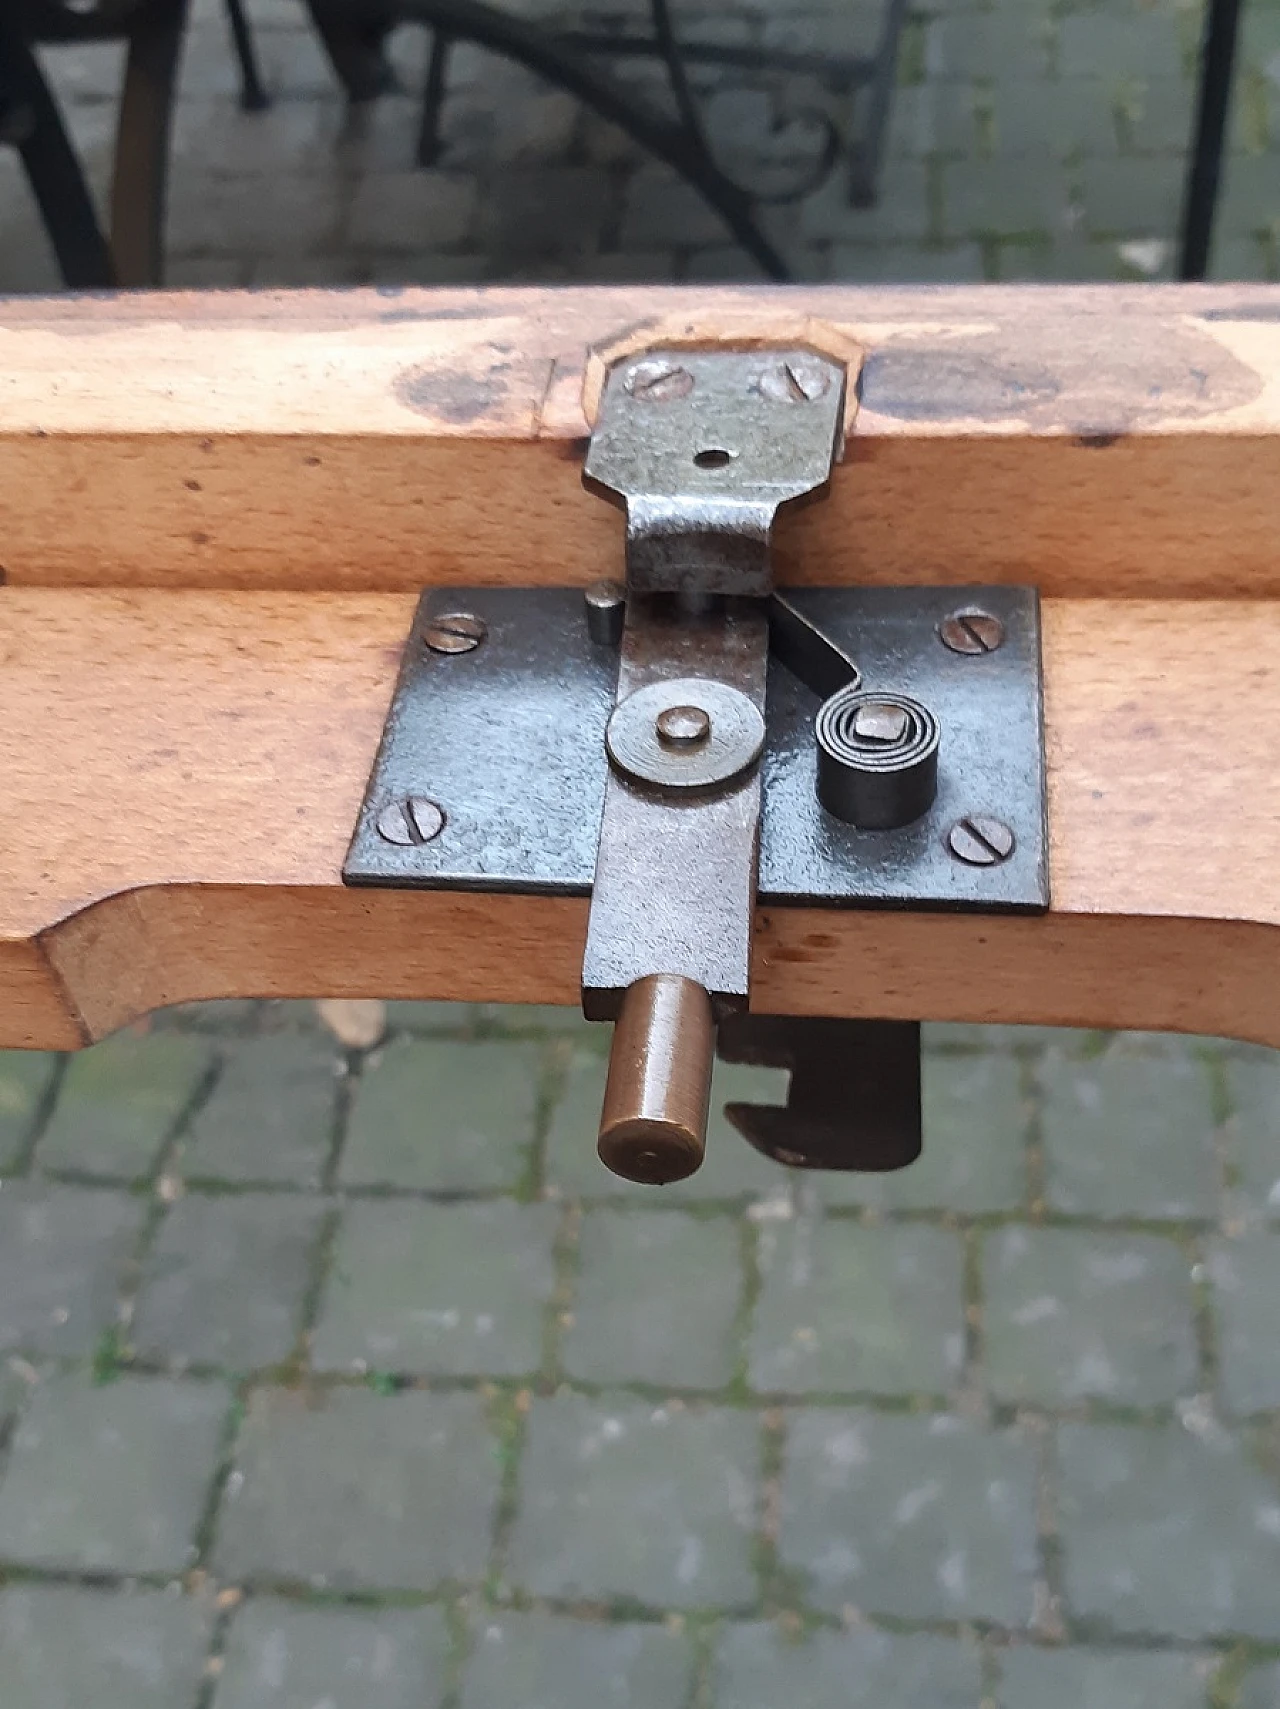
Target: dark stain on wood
<point>443,394</point>
<point>1245,311</point>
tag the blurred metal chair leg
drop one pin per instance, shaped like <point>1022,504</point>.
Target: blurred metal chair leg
<point>141,171</point>
<point>1204,164</point>
<point>253,92</point>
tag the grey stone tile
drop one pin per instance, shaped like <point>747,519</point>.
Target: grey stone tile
<point>120,1102</point>
<point>1038,121</point>
<point>1000,198</point>
<point>1260,1689</point>
<point>354,1490</point>
<point>283,1656</point>
<point>259,214</point>
<point>974,1159</point>
<point>1066,1678</point>
<point>539,1661</point>
<point>65,1647</point>
<point>1071,1315</point>
<point>225,1280</point>
<point>561,212</point>
<point>1133,43</point>
<point>661,209</point>
<point>1002,47</point>
<point>412,210</point>
<point>905,264</point>
<point>927,1518</point>
<point>1168,1533</point>
<point>757,1667</point>
<point>732,1170</point>
<point>1134,197</point>
<point>655,1504</point>
<point>902,214</point>
<point>1246,1280</point>
<point>1128,1135</point>
<point>24,1080</point>
<point>63,1254</point>
<point>857,1310</point>
<point>271,1113</point>
<point>112,1477</point>
<point>656,1299</point>
<point>452,1019</point>
<point>444,1115</point>
<point>1253,1087</point>
<point>449,1290</point>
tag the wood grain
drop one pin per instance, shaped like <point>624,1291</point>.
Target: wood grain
<point>181,770</point>
<point>1096,440</point>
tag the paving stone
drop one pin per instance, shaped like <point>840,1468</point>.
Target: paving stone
<point>1128,1135</point>
<point>412,210</point>
<point>355,1490</point>
<point>902,214</point>
<point>453,1019</point>
<point>266,214</point>
<point>655,1504</point>
<point>656,1299</point>
<point>1260,1689</point>
<point>1165,1532</point>
<point>561,211</point>
<point>974,1160</point>
<point>451,1290</point>
<point>121,1101</point>
<point>66,1648</point>
<point>25,1076</point>
<point>1000,198</point>
<point>1070,1315</point>
<point>1157,113</point>
<point>732,1171</point>
<point>282,1656</point>
<point>1246,1280</point>
<point>539,1661</point>
<point>64,1252</point>
<point>271,1114</point>
<point>662,209</point>
<point>1060,261</point>
<point>857,1310</point>
<point>757,1667</point>
<point>1138,43</point>
<point>902,264</point>
<point>112,1477</point>
<point>1066,1678</point>
<point>225,1280</point>
<point>1038,121</point>
<point>447,1116</point>
<point>927,1518</point>
<point>1131,197</point>
<point>1253,1088</point>
<point>1008,48</point>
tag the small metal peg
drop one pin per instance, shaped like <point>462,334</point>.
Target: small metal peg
<point>605,603</point>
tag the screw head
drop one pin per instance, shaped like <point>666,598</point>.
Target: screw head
<point>455,632</point>
<point>980,840</point>
<point>413,821</point>
<point>971,632</point>
<point>879,723</point>
<point>683,726</point>
<point>798,380</point>
<point>657,381</point>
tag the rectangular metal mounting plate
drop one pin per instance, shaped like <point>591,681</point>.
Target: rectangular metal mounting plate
<point>509,741</point>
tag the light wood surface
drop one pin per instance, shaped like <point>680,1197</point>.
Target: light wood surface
<point>180,773</point>
<point>1095,440</point>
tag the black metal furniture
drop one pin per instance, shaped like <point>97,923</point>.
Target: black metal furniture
<point>353,32</point>
<point>30,120</point>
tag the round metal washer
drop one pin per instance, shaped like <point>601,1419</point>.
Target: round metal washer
<point>734,743</point>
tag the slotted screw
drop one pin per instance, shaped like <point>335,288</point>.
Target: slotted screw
<point>796,381</point>
<point>659,382</point>
<point>979,840</point>
<point>455,632</point>
<point>971,632</point>
<point>411,822</point>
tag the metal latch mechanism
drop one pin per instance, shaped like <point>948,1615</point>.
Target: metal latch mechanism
<point>700,740</point>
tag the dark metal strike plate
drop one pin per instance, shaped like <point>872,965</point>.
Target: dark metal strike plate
<point>492,767</point>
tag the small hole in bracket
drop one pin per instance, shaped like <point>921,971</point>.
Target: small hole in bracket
<point>714,457</point>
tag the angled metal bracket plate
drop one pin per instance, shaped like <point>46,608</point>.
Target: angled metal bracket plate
<point>507,740</point>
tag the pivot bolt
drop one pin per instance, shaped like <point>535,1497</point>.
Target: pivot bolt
<point>683,726</point>
<point>455,632</point>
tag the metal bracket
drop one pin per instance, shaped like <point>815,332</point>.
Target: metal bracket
<point>636,746</point>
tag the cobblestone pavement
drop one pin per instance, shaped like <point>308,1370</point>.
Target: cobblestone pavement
<point>348,1378</point>
<point>1030,139</point>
